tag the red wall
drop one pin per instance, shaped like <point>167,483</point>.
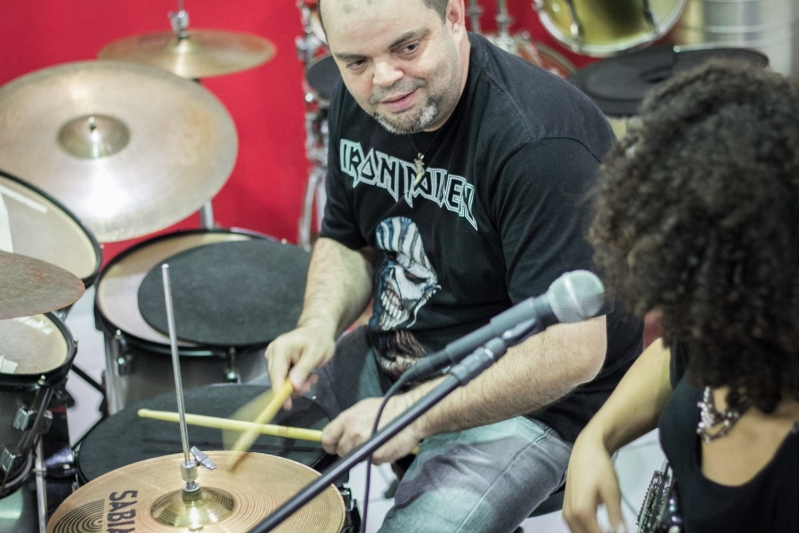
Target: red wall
<point>265,189</point>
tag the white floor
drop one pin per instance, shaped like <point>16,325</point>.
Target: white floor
<point>635,463</point>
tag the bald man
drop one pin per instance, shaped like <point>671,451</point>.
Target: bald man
<point>456,189</point>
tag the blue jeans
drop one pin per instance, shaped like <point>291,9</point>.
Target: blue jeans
<point>483,480</point>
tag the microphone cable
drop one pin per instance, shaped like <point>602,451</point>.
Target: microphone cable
<point>391,392</point>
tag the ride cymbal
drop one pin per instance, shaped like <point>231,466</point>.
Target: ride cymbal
<point>146,497</point>
<point>204,53</point>
<point>128,148</point>
<point>30,286</point>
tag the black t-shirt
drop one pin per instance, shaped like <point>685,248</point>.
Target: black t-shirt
<point>499,214</point>
<point>768,502</point>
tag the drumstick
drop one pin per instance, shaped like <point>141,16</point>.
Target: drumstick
<point>287,432</point>
<point>246,439</point>
<point>312,435</point>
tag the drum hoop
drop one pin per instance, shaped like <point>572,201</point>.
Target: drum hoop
<point>103,323</point>
<point>89,280</point>
<point>30,382</point>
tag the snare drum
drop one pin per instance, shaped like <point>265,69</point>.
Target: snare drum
<point>138,361</point>
<point>125,438</point>
<point>36,353</point>
<point>33,223</point>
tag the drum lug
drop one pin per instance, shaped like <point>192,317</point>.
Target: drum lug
<point>23,418</point>
<point>232,374</point>
<point>8,457</point>
<point>352,517</point>
<point>124,360</point>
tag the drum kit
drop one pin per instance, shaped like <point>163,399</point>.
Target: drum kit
<point>112,149</point>
<point>127,145</point>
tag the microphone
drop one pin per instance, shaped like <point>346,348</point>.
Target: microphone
<point>573,297</point>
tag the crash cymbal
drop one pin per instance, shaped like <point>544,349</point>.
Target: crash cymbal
<point>29,286</point>
<point>128,148</point>
<point>204,53</point>
<point>145,497</point>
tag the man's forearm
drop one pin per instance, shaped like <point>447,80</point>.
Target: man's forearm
<point>534,374</point>
<point>339,287</point>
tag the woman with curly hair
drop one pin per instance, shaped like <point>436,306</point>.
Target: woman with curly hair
<point>697,219</point>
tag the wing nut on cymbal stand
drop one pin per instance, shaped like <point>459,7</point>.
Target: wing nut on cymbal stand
<point>180,22</point>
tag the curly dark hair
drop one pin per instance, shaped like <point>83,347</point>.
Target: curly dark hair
<point>697,217</point>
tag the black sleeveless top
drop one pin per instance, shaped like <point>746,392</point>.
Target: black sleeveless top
<point>769,502</point>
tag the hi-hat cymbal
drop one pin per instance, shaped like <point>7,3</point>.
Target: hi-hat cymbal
<point>145,497</point>
<point>30,286</point>
<point>204,53</point>
<point>128,148</point>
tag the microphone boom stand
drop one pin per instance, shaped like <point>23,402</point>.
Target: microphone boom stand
<point>460,374</point>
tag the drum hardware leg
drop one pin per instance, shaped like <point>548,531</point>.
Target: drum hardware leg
<point>207,216</point>
<point>41,487</point>
<point>232,375</point>
<point>88,379</point>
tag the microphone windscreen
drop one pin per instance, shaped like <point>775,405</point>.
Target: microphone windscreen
<point>576,296</point>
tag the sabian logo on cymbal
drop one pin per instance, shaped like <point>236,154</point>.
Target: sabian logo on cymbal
<point>122,512</point>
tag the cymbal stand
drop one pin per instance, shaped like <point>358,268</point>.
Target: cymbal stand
<point>475,11</point>
<point>188,468</point>
<point>316,147</point>
<point>308,44</point>
<point>504,39</point>
<point>180,27</point>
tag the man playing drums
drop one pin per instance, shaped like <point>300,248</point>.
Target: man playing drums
<point>456,189</point>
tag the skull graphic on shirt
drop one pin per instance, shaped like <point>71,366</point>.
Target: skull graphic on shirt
<point>406,279</point>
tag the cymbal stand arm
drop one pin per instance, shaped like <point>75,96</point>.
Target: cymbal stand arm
<point>188,468</point>
<point>179,22</point>
<point>475,11</point>
<point>504,21</point>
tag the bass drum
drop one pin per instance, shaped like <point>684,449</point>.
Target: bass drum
<point>33,223</point>
<point>138,357</point>
<point>37,354</point>
<point>601,28</point>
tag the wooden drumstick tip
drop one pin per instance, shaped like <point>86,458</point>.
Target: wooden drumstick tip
<point>246,439</point>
